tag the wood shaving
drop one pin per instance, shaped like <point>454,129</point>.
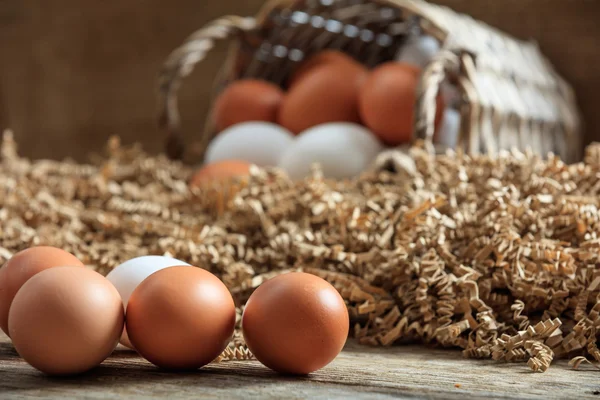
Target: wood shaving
<point>576,362</point>
<point>496,256</point>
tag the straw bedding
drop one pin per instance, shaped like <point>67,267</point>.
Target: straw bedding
<point>497,257</point>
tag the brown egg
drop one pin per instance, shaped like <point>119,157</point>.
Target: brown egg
<point>322,58</point>
<point>180,317</point>
<point>23,266</point>
<point>387,102</point>
<point>326,93</point>
<point>295,323</point>
<point>219,171</point>
<point>247,100</point>
<point>66,320</point>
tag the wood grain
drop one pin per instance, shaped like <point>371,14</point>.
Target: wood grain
<point>4,124</point>
<point>359,372</point>
<point>74,72</point>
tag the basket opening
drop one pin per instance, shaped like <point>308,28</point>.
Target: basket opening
<point>370,32</point>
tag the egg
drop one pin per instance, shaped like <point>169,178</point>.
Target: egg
<point>419,51</point>
<point>388,99</point>
<point>21,267</point>
<point>295,323</point>
<point>259,143</point>
<point>342,149</point>
<point>219,171</point>
<point>247,100</point>
<point>327,93</point>
<point>319,59</point>
<point>447,133</point>
<point>66,320</point>
<point>128,275</point>
<point>180,318</point>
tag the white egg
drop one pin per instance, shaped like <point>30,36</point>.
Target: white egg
<point>449,128</point>
<point>342,149</point>
<point>260,143</point>
<point>128,275</point>
<point>418,50</point>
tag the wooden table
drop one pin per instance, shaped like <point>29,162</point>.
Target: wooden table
<point>358,373</point>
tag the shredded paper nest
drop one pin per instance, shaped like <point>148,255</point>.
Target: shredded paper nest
<point>496,256</point>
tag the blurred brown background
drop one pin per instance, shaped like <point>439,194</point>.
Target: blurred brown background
<point>73,72</point>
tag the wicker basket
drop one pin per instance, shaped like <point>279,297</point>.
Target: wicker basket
<point>511,95</point>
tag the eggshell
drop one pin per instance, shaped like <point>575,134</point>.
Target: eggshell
<point>328,93</point>
<point>259,143</point>
<point>219,171</point>
<point>295,323</point>
<point>66,320</point>
<point>180,318</point>
<point>447,134</point>
<point>388,99</point>
<point>128,275</point>
<point>247,100</point>
<point>21,267</point>
<point>342,149</point>
<point>322,58</point>
<point>418,51</point>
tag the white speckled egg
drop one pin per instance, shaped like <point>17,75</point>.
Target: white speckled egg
<point>342,149</point>
<point>448,130</point>
<point>418,50</point>
<point>260,143</point>
<point>128,275</point>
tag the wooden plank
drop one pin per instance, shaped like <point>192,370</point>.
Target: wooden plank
<point>359,372</point>
<point>3,114</point>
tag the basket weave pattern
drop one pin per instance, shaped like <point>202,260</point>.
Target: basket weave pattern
<point>510,94</point>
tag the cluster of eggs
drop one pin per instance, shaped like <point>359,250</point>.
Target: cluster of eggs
<point>335,112</point>
<point>65,319</point>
